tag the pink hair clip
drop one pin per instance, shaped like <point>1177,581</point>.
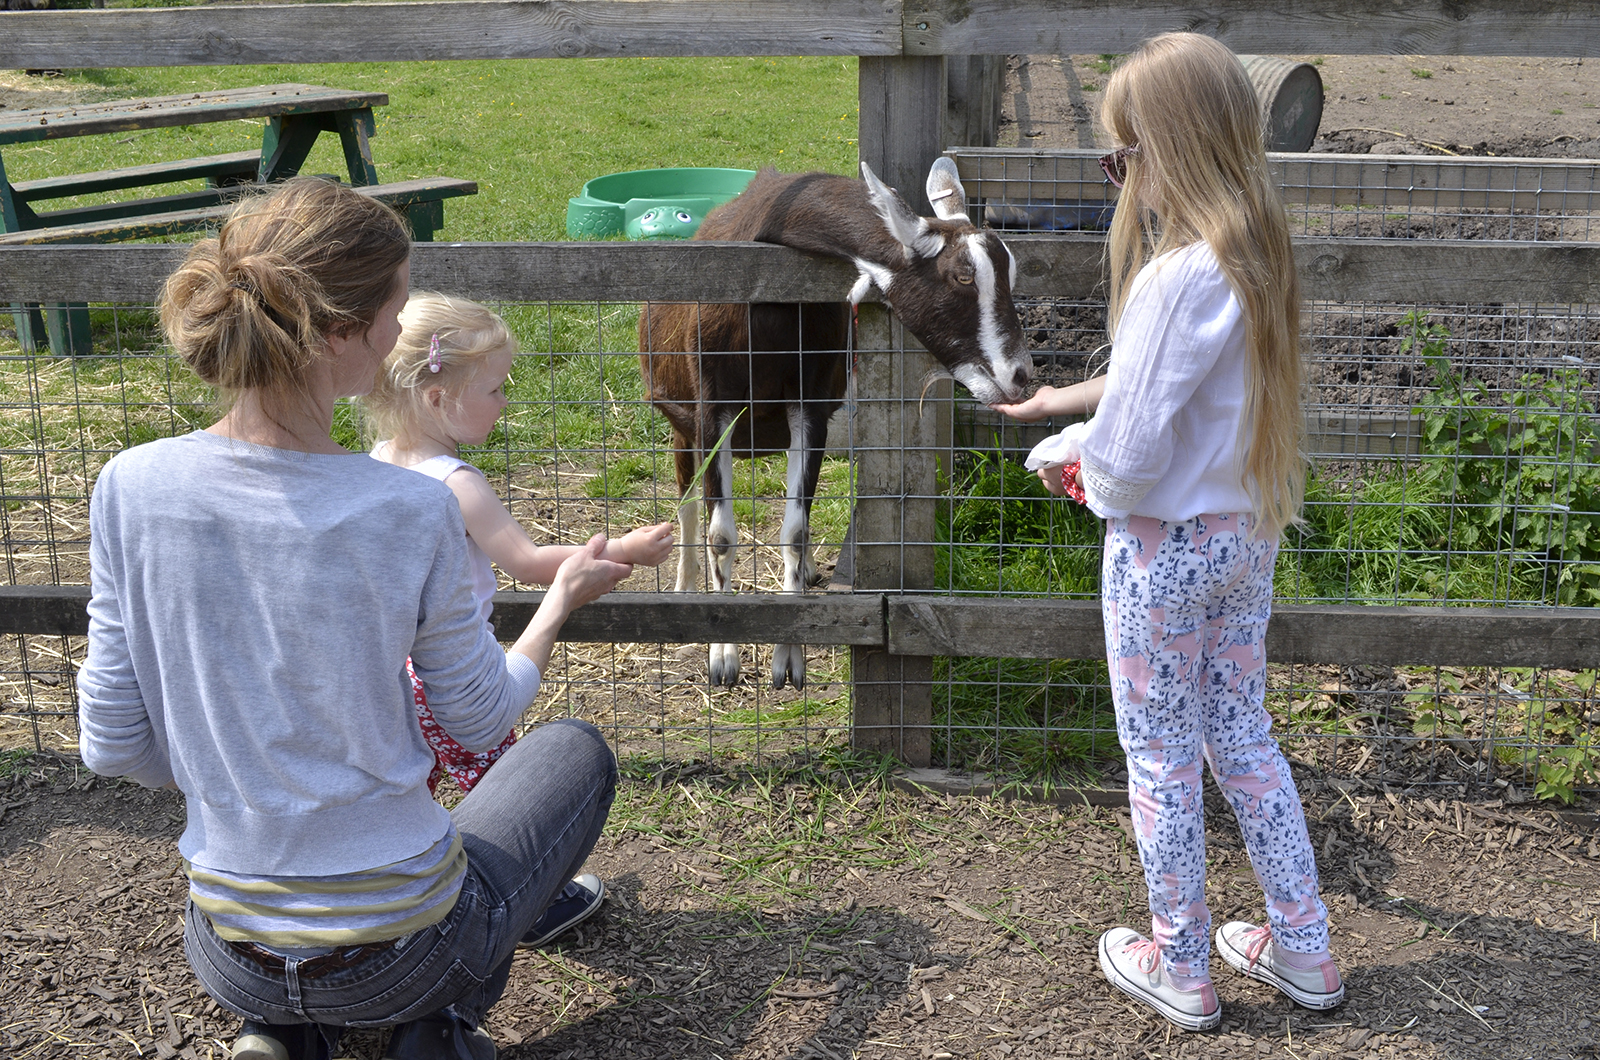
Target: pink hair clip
<point>433,354</point>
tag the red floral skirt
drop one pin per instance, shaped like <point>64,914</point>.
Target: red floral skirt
<point>464,766</point>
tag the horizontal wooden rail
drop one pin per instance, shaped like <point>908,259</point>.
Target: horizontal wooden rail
<point>546,29</point>
<point>1021,175</point>
<point>1431,272</point>
<point>922,625</point>
<point>1254,27</point>
<point>1389,636</point>
<point>463,29</point>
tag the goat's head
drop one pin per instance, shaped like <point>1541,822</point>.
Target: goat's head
<point>952,288</point>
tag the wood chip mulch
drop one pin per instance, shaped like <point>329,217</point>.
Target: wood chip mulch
<point>1464,929</point>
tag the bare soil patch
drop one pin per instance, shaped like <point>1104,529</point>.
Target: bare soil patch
<point>938,927</point>
<point>1382,104</point>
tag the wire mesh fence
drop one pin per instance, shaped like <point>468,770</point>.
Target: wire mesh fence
<point>1346,196</point>
<point>1456,464</point>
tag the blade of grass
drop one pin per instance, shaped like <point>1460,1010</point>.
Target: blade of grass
<point>710,456</point>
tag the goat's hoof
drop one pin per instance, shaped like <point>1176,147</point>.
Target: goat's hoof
<point>789,665</point>
<point>724,665</point>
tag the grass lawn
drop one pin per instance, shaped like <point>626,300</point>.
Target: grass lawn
<point>530,132</point>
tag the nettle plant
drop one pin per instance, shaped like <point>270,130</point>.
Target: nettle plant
<point>1522,477</point>
<point>1521,474</point>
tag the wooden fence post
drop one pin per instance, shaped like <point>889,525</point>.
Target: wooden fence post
<point>902,124</point>
<point>892,695</point>
<point>902,130</point>
<point>975,95</point>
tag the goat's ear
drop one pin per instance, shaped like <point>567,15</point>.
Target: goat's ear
<point>945,192</point>
<point>906,227</point>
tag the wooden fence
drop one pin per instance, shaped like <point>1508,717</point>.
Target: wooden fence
<point>892,625</point>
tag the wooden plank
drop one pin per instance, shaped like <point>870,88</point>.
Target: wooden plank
<point>1262,27</point>
<point>995,628</point>
<point>53,610</point>
<point>98,224</point>
<point>1436,272</point>
<point>694,618</point>
<point>1064,265</point>
<point>157,112</point>
<point>972,112</point>
<point>1567,639</point>
<point>559,272</point>
<point>1430,272</point>
<point>633,618</point>
<point>1072,175</point>
<point>1436,636</point>
<point>237,164</point>
<point>469,29</point>
<point>533,29</point>
<point>1388,636</point>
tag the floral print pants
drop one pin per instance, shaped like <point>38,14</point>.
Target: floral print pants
<point>1186,606</point>
<point>464,766</point>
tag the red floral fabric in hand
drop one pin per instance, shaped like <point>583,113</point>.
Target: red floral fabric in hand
<point>1069,481</point>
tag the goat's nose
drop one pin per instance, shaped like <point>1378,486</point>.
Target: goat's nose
<point>1021,378</point>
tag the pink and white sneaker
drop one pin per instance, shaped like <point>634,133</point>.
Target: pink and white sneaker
<point>1252,951</point>
<point>1132,964</point>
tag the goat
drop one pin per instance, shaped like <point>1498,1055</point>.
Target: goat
<point>781,368</point>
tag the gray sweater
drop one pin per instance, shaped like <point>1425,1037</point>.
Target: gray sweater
<point>251,615</point>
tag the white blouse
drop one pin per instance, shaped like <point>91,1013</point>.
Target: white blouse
<point>1165,440</point>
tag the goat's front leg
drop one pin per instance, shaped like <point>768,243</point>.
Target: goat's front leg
<point>688,521</point>
<point>794,540</point>
<point>722,536</point>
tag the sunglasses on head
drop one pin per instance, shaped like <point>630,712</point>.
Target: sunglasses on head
<point>1115,165</point>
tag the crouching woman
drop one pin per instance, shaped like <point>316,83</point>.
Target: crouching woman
<point>257,590</point>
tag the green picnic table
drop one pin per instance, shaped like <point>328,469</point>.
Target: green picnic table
<point>296,115</point>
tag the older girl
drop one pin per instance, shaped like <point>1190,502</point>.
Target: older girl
<point>1193,458</point>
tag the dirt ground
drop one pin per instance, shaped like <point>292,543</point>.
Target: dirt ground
<point>1382,104</point>
<point>941,927</point>
<point>893,924</point>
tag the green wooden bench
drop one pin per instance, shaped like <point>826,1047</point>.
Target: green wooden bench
<point>296,116</point>
<point>422,201</point>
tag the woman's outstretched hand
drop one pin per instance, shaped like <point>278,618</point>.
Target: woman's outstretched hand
<point>587,574</point>
<point>584,576</point>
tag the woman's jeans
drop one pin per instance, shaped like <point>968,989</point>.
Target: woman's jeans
<point>527,827</point>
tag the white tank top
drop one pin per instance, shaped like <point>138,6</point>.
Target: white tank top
<point>483,580</point>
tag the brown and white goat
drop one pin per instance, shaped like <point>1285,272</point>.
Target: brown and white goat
<point>783,366</point>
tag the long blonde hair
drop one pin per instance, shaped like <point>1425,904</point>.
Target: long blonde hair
<point>1201,166</point>
<point>443,341</point>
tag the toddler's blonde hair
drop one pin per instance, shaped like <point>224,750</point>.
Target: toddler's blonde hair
<point>466,333</point>
<point>1201,166</point>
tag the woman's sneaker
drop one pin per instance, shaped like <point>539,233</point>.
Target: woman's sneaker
<point>577,902</point>
<point>1132,963</point>
<point>1251,950</point>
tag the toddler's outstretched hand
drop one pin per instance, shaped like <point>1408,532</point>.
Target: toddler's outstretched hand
<point>587,574</point>
<point>647,546</point>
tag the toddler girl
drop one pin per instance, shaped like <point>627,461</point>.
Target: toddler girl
<point>1193,458</point>
<point>441,388</point>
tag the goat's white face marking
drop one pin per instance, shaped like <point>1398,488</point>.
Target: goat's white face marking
<point>991,343</point>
